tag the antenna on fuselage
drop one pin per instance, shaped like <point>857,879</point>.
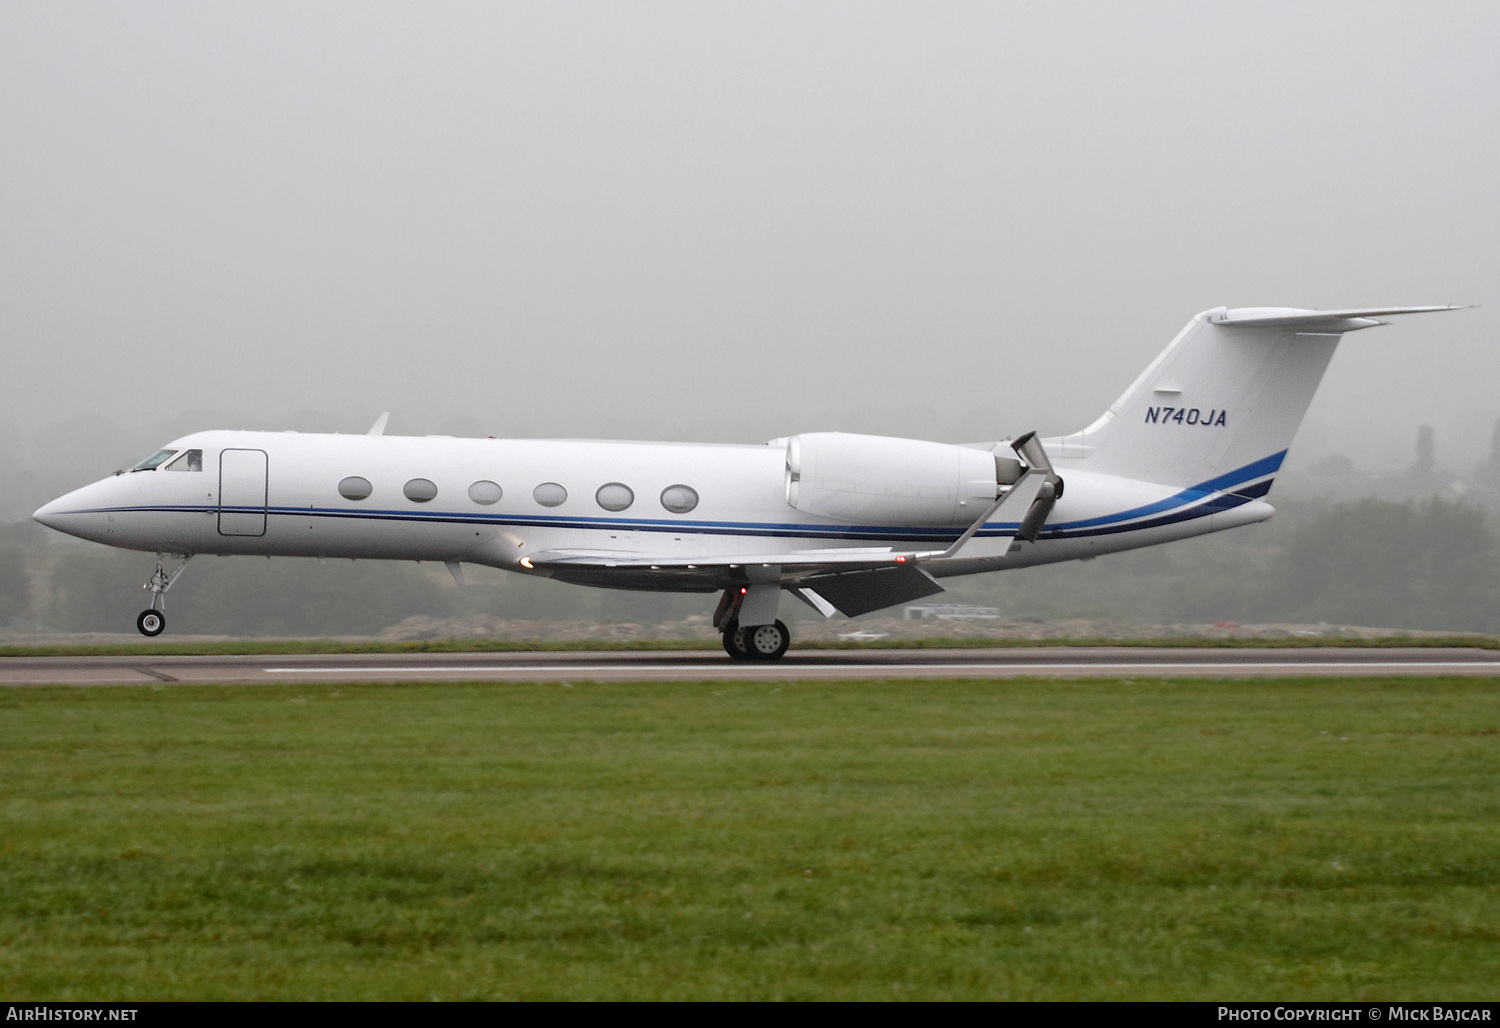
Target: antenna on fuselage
<point>379,427</point>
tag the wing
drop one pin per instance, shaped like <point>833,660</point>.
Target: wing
<point>850,580</point>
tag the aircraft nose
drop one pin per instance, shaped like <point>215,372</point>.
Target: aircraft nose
<point>72,513</point>
<point>47,513</point>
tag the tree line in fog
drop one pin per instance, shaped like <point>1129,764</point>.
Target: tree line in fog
<point>1416,563</point>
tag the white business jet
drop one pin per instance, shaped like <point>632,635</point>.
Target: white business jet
<point>845,523</point>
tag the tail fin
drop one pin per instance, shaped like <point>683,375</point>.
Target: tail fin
<point>1222,402</point>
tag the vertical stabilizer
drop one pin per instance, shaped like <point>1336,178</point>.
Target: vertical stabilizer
<point>1222,401</point>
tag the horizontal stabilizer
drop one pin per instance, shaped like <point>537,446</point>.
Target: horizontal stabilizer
<point>1312,321</point>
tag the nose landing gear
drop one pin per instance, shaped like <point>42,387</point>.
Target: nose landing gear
<point>152,621</point>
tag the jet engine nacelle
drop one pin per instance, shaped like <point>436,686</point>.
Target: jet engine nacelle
<point>878,480</point>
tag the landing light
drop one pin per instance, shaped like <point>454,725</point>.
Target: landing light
<point>526,562</point>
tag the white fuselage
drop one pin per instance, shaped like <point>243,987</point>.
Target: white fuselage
<point>742,507</point>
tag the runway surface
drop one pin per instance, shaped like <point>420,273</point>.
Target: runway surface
<point>1047,662</point>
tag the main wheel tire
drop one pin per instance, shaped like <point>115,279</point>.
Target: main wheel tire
<point>151,622</point>
<point>766,642</point>
<point>734,641</point>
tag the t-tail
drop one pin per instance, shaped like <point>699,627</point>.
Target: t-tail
<point>1220,405</point>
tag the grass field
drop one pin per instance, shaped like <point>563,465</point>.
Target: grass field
<point>1312,839</point>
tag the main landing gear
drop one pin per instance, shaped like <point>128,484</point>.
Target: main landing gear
<point>749,642</point>
<point>153,620</point>
<point>762,642</point>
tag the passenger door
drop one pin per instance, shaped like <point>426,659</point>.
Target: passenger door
<point>242,492</point>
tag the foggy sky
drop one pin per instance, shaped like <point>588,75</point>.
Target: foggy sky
<point>732,221</point>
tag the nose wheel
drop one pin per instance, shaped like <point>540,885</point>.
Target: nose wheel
<point>152,621</point>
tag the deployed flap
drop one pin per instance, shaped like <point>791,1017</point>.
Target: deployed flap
<point>816,602</point>
<point>859,592</point>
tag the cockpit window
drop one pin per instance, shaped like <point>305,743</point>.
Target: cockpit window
<point>154,461</point>
<point>187,460</point>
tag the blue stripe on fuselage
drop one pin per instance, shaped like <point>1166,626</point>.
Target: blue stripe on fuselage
<point>1223,483</point>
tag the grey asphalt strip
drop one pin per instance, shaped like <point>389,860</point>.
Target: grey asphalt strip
<point>689,665</point>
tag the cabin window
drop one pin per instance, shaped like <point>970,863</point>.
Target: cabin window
<point>419,490</point>
<point>485,492</point>
<point>614,496</point>
<point>355,488</point>
<point>187,460</point>
<point>154,461</point>
<point>549,494</point>
<point>679,499</point>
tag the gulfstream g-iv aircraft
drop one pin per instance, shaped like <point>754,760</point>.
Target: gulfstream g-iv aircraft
<point>845,523</point>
